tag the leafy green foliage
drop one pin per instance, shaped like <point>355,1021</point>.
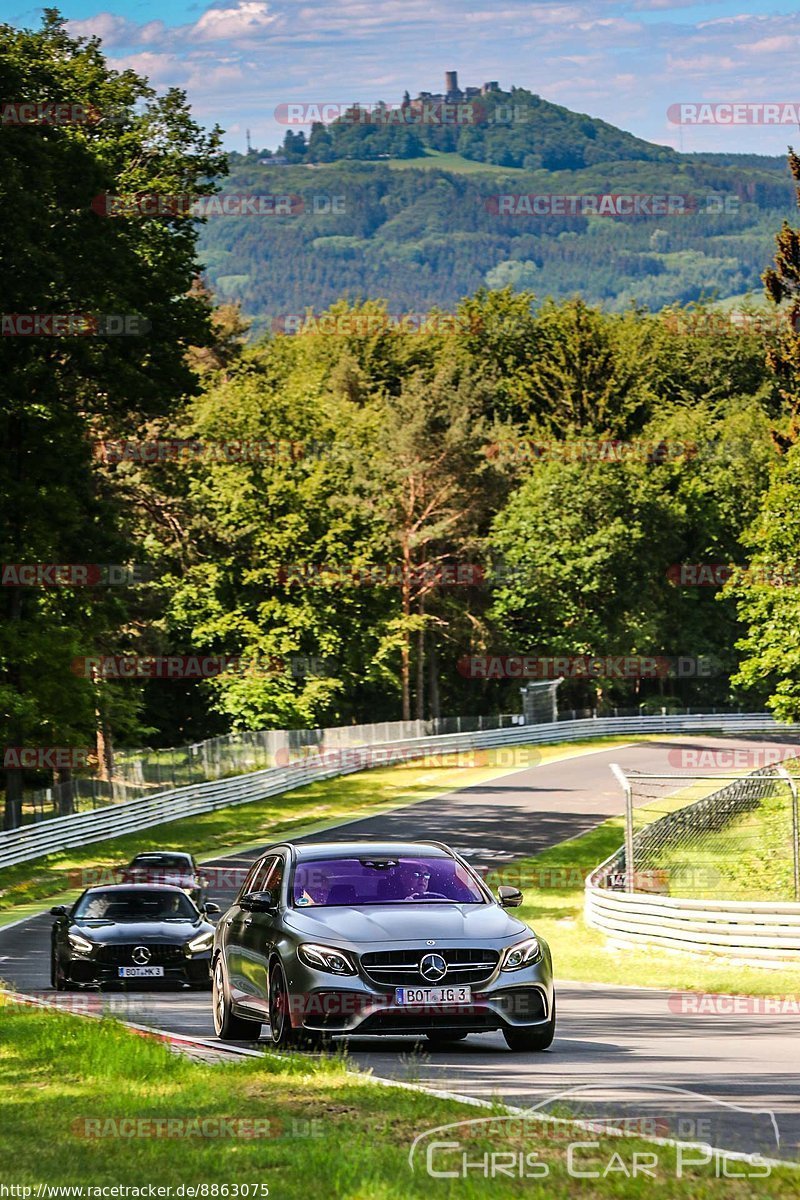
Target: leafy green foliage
<point>425,236</point>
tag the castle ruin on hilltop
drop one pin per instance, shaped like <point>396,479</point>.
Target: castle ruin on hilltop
<point>452,92</point>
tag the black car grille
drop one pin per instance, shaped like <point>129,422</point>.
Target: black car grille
<point>400,968</point>
<point>121,954</point>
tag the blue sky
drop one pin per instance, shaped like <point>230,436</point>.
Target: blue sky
<point>624,62</point>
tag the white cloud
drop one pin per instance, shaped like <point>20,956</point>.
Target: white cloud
<point>772,45</point>
<point>227,24</point>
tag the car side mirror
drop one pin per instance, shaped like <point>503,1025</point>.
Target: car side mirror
<point>211,908</point>
<point>509,897</point>
<point>59,910</point>
<point>258,902</point>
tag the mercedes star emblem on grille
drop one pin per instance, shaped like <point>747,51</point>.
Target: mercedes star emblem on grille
<point>141,955</point>
<point>432,967</point>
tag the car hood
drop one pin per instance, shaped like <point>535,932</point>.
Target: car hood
<point>409,923</point>
<point>170,932</point>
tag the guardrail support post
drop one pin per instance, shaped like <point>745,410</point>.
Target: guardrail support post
<point>628,790</point>
<point>795,829</point>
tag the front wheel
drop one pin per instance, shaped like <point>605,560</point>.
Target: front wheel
<point>284,1036</point>
<point>538,1038</point>
<point>227,1025</point>
<point>58,979</point>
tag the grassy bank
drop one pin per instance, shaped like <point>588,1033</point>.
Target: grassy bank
<point>262,821</point>
<point>750,858</point>
<point>553,883</point>
<point>289,1125</point>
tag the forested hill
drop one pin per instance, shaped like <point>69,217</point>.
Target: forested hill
<point>423,232</point>
<point>507,129</point>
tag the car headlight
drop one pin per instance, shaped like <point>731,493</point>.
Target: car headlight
<point>326,957</point>
<point>203,941</point>
<point>522,954</point>
<point>80,943</point>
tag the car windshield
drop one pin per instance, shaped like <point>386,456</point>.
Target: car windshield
<point>383,879</point>
<point>135,904</point>
<point>176,862</point>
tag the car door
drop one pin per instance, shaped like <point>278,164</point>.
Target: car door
<point>242,973</point>
<point>261,932</point>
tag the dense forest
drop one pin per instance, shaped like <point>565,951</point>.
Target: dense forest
<point>424,236</point>
<point>344,515</point>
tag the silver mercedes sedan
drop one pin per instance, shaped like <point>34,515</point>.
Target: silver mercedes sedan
<point>340,938</point>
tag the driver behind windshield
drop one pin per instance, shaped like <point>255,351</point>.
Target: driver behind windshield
<point>414,880</point>
<point>136,905</point>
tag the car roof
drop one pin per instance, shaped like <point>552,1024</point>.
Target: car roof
<point>311,850</point>
<point>162,854</point>
<point>169,888</point>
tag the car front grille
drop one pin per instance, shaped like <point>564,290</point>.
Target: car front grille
<point>121,955</point>
<point>400,968</point>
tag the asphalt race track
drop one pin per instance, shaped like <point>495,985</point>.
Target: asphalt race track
<point>629,1040</point>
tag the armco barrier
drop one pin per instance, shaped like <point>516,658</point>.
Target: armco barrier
<point>763,932</point>
<point>80,829</point>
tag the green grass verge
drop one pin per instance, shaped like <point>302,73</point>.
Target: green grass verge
<point>450,161</point>
<point>554,894</point>
<point>262,821</point>
<point>331,1131</point>
<point>750,858</point>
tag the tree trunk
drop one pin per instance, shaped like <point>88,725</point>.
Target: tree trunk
<point>420,669</point>
<point>64,792</point>
<point>405,653</point>
<point>105,748</point>
<point>12,818</point>
<point>434,709</point>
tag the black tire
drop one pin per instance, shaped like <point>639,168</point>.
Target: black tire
<point>443,1036</point>
<point>282,1034</point>
<point>229,1027</point>
<point>58,978</point>
<point>538,1038</point>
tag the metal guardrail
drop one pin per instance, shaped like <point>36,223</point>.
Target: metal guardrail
<point>761,931</point>
<point>81,829</point>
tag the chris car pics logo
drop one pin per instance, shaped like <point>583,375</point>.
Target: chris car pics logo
<point>687,1135</point>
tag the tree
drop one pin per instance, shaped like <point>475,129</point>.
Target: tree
<point>587,372</point>
<point>60,394</point>
<point>782,283</point>
<point>434,491</point>
<point>768,596</point>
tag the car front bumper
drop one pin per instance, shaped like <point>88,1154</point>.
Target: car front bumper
<point>319,1001</point>
<point>194,971</point>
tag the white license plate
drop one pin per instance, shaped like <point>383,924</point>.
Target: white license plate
<point>437,995</point>
<point>140,972</point>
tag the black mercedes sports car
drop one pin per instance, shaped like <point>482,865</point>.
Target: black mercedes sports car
<point>126,933</point>
<point>364,937</point>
